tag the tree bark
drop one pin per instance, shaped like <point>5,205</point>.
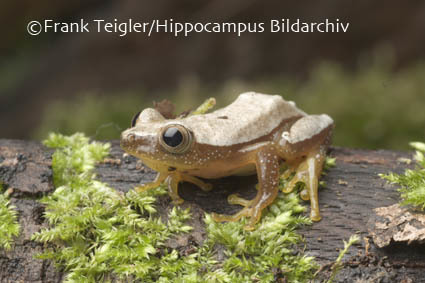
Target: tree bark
<point>353,190</point>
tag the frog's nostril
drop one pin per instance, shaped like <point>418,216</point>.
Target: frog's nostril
<point>131,137</point>
<point>127,137</point>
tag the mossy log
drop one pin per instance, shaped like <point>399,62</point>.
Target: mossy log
<point>353,190</point>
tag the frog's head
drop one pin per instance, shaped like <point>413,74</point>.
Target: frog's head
<point>153,137</point>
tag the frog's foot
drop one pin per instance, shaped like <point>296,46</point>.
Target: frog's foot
<point>299,177</point>
<point>287,173</point>
<point>235,199</point>
<point>246,211</point>
<point>292,183</point>
<point>206,187</point>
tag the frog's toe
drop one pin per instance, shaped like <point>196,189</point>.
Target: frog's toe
<point>143,188</point>
<point>287,174</point>
<point>304,195</point>
<point>178,201</point>
<point>206,187</point>
<point>249,227</point>
<point>235,217</point>
<point>291,185</point>
<point>255,215</point>
<point>235,199</point>
<point>315,215</point>
<point>198,182</point>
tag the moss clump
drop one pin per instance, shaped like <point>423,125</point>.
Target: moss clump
<point>412,182</point>
<point>9,226</point>
<point>99,234</point>
<point>251,256</point>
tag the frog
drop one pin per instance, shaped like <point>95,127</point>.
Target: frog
<point>256,134</point>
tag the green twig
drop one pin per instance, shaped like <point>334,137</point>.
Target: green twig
<point>338,264</point>
<point>204,107</point>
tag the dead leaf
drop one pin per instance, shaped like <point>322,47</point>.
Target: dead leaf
<point>166,108</point>
<point>396,224</point>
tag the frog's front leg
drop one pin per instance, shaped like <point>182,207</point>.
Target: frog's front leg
<point>173,181</point>
<point>160,177</point>
<point>267,165</point>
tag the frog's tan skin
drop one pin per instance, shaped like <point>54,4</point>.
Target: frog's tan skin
<point>254,134</point>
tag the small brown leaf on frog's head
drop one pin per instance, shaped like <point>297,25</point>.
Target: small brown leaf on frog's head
<point>166,108</point>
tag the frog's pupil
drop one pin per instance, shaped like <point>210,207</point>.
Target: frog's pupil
<point>172,137</point>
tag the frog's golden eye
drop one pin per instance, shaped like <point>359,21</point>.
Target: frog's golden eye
<point>175,138</point>
<point>134,120</point>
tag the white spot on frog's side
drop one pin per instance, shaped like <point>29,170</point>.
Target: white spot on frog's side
<point>308,127</point>
<point>250,116</point>
<point>253,147</point>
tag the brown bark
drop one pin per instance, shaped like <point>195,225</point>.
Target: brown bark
<point>353,190</point>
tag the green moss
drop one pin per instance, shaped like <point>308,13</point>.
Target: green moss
<point>412,182</point>
<point>9,226</point>
<point>253,255</point>
<point>97,233</point>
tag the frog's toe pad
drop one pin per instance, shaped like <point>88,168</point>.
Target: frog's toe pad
<point>304,195</point>
<point>315,216</point>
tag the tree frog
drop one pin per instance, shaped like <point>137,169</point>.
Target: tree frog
<point>255,134</point>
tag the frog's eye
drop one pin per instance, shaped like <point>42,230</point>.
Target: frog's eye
<point>175,138</point>
<point>134,120</point>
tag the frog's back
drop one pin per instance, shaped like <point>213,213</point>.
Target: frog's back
<point>251,116</point>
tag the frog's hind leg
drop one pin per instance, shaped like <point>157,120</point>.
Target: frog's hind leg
<point>304,147</point>
<point>308,172</point>
<point>160,177</point>
<point>267,165</point>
